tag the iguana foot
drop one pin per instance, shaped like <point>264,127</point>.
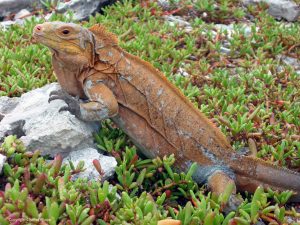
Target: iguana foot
<point>221,183</point>
<point>73,104</point>
<point>60,94</point>
<point>233,203</point>
<point>56,95</point>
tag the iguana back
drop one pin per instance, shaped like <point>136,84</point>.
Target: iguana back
<point>162,121</point>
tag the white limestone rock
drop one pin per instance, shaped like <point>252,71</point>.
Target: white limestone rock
<point>8,7</point>
<point>286,9</point>
<point>293,62</point>
<point>40,125</point>
<point>2,161</point>
<point>165,4</point>
<point>108,163</point>
<point>22,14</point>
<point>178,20</point>
<point>82,9</point>
<point>6,24</point>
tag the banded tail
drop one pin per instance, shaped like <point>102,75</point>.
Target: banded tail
<point>252,172</point>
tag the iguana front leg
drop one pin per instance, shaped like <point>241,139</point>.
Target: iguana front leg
<point>101,103</point>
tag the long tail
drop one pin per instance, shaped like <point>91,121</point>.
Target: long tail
<point>253,172</point>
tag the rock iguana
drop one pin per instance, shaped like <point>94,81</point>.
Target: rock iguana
<point>159,119</point>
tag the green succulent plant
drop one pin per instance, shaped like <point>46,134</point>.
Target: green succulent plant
<point>248,92</point>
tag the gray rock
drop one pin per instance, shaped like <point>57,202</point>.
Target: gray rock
<point>225,50</point>
<point>260,222</point>
<point>178,20</point>
<point>8,104</point>
<point>22,14</point>
<point>108,163</point>
<point>293,62</point>
<point>292,220</point>
<point>181,71</point>
<point>2,161</point>
<point>40,125</point>
<point>6,24</point>
<point>230,29</point>
<point>82,8</point>
<point>48,16</point>
<point>13,6</point>
<point>164,4</point>
<point>286,9</point>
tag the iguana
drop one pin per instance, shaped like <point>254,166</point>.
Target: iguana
<point>158,118</point>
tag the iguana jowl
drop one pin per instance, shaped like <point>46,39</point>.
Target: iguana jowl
<point>153,112</point>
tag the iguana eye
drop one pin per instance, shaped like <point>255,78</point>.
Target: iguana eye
<point>65,31</point>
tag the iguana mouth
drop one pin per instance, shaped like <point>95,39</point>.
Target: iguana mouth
<point>37,37</point>
<point>34,40</point>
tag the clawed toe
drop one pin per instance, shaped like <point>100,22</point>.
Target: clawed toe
<point>53,97</point>
<point>64,108</point>
<point>233,204</point>
<point>60,94</point>
<point>55,93</point>
<point>72,107</point>
<point>73,103</point>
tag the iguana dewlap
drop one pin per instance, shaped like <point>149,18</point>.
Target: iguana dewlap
<point>144,104</point>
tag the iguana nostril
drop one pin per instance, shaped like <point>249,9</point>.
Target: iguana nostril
<point>38,28</point>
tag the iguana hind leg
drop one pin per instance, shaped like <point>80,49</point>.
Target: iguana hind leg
<point>218,178</point>
<point>219,183</point>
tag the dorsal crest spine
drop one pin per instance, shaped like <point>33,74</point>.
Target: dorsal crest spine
<point>103,35</point>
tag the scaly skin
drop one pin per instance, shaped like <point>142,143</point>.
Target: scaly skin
<point>153,112</point>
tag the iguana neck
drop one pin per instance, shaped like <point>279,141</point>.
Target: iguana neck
<point>70,76</point>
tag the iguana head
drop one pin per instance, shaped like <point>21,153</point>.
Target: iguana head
<point>70,41</point>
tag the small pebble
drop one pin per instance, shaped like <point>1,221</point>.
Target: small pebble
<point>169,222</point>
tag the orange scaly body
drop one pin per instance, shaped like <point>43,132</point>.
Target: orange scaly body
<point>153,112</point>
